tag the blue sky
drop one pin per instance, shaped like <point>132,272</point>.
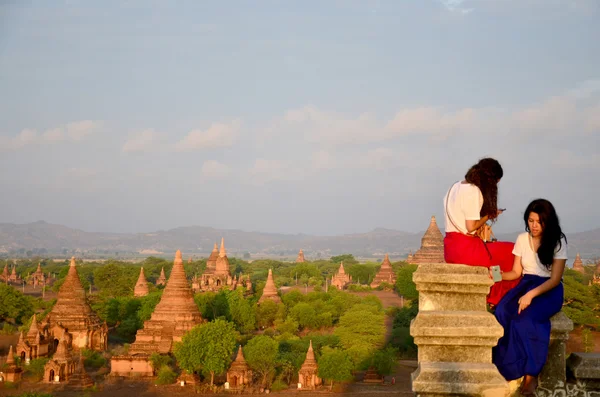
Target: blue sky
<point>320,117</point>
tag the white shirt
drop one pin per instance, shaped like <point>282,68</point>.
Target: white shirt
<point>530,260</point>
<point>462,203</point>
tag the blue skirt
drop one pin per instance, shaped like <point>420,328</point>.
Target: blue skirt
<point>524,347</point>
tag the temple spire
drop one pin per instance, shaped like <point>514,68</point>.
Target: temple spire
<point>270,290</point>
<point>222,252</point>
<point>141,286</point>
<point>10,360</point>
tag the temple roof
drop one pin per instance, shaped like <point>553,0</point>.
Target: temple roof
<point>162,279</point>
<point>309,363</point>
<point>239,364</point>
<point>10,360</point>
<point>141,286</point>
<point>578,264</point>
<point>62,351</point>
<point>222,263</point>
<point>270,290</point>
<point>432,246</point>
<point>33,329</point>
<point>300,258</point>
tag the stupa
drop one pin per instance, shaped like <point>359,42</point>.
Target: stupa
<point>432,246</point>
<point>4,276</point>
<point>37,278</point>
<point>341,279</point>
<point>239,373</point>
<point>300,258</point>
<point>385,274</point>
<point>141,286</point>
<point>79,379</point>
<point>61,366</point>
<point>578,264</point>
<point>308,375</point>
<point>270,290</point>
<point>162,279</point>
<point>14,277</point>
<point>175,314</point>
<point>72,313</point>
<point>217,274</point>
<point>10,372</point>
<point>34,344</point>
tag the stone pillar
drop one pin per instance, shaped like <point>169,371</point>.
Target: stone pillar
<point>455,333</point>
<point>585,368</point>
<point>554,373</point>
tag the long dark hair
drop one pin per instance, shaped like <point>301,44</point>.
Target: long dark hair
<point>551,231</point>
<point>485,175</point>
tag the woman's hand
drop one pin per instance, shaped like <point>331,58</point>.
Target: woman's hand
<point>525,301</point>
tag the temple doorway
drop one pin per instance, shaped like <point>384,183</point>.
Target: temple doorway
<point>218,282</point>
<point>55,344</point>
<point>51,377</point>
<point>234,381</point>
<point>22,357</point>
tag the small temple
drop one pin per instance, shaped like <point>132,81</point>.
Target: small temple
<point>175,314</point>
<point>300,258</point>
<point>432,246</point>
<point>80,379</point>
<point>141,286</point>
<point>385,274</point>
<point>162,279</point>
<point>10,372</point>
<point>37,278</point>
<point>14,277</point>
<point>270,290</point>
<point>72,314</point>
<point>341,279</point>
<point>4,276</point>
<point>578,264</point>
<point>34,344</point>
<point>218,275</point>
<point>308,377</point>
<point>239,373</point>
<point>61,365</point>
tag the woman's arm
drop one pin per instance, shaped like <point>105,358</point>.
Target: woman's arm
<point>516,271</point>
<point>558,268</point>
<point>474,225</point>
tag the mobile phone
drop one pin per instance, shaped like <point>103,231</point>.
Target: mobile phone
<point>496,275</point>
<point>502,209</point>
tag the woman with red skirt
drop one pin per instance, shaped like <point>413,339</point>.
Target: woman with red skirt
<point>467,206</point>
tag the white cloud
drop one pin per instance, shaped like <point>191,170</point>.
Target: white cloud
<point>212,169</point>
<point>142,141</point>
<point>74,131</point>
<point>215,136</point>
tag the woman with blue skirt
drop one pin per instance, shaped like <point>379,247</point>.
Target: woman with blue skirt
<point>525,311</point>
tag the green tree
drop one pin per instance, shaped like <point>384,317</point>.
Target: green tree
<point>207,347</point>
<point>241,312</point>
<point>305,314</point>
<point>261,355</point>
<point>14,304</point>
<point>404,284</point>
<point>348,259</point>
<point>335,365</point>
<point>267,312</point>
<point>384,361</point>
<point>361,330</point>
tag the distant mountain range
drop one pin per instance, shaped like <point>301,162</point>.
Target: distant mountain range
<point>49,239</point>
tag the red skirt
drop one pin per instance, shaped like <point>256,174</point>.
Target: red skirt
<point>467,250</point>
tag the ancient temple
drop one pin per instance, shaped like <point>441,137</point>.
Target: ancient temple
<point>79,379</point>
<point>38,277</point>
<point>218,275</point>
<point>385,274</point>
<point>72,313</point>
<point>141,286</point>
<point>341,279</point>
<point>62,365</point>
<point>14,277</point>
<point>270,290</point>
<point>578,264</point>
<point>308,375</point>
<point>162,279</point>
<point>432,246</point>
<point>34,344</point>
<point>239,373</point>
<point>409,258</point>
<point>175,314</point>
<point>10,372</point>
<point>300,258</point>
<point>4,276</point>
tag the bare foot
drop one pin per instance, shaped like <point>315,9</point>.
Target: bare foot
<point>529,385</point>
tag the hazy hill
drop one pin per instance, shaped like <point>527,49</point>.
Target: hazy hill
<point>198,240</point>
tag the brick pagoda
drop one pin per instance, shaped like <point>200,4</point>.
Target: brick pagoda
<point>300,258</point>
<point>578,264</point>
<point>239,373</point>
<point>341,279</point>
<point>385,274</point>
<point>432,246</point>
<point>270,290</point>
<point>308,375</point>
<point>72,313</point>
<point>218,275</point>
<point>141,286</point>
<point>34,344</point>
<point>10,372</point>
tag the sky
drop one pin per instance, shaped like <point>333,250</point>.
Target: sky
<point>318,117</point>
